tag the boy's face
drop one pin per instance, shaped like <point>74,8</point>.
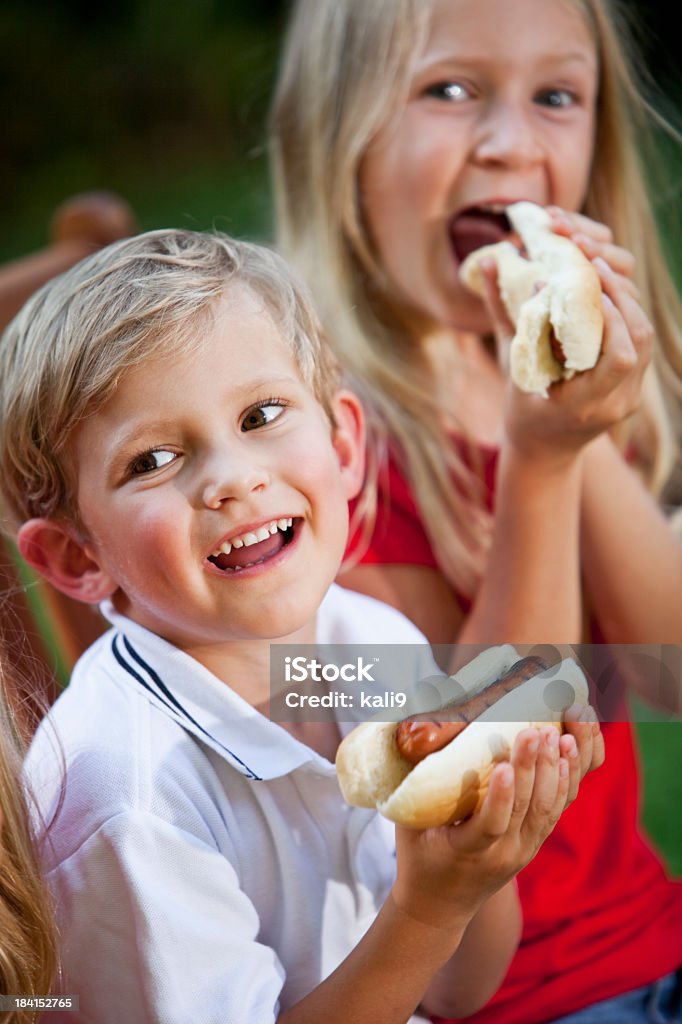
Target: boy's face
<point>211,451</point>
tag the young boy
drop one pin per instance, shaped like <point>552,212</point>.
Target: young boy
<point>174,446</point>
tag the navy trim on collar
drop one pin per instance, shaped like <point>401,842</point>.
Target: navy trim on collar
<point>153,684</point>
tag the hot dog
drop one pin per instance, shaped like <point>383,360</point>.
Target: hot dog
<point>553,298</point>
<point>449,784</point>
<point>424,734</point>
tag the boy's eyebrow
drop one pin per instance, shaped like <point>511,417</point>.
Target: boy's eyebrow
<point>257,388</point>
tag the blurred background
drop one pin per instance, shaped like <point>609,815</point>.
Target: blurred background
<point>165,102</point>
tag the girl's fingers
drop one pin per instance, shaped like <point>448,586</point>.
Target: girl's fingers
<point>620,260</point>
<point>569,224</point>
<point>501,322</point>
<point>635,319</point>
<point>595,240</point>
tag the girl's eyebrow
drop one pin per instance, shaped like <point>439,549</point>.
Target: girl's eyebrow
<point>473,60</point>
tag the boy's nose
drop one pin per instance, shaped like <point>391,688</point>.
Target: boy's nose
<point>507,137</point>
<point>231,480</point>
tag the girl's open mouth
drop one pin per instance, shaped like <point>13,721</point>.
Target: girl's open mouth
<point>475,227</point>
<point>254,548</point>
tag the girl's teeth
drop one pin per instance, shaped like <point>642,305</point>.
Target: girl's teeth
<point>225,548</point>
<point>263,533</point>
<point>237,543</point>
<point>273,529</point>
<point>284,524</point>
<point>249,539</point>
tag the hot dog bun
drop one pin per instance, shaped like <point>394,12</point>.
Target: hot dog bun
<point>450,784</point>
<point>558,328</point>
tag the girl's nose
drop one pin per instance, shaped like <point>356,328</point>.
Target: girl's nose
<point>507,137</point>
<point>230,479</point>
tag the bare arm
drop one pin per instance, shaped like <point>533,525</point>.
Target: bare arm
<point>632,561</point>
<point>530,592</point>
<point>483,957</point>
<point>421,593</point>
<point>385,977</point>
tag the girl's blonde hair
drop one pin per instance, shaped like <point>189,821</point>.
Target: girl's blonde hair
<point>63,355</point>
<point>345,71</point>
<point>28,948</point>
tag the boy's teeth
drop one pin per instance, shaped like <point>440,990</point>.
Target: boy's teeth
<point>253,536</point>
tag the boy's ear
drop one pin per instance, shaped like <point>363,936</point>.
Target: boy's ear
<point>54,549</point>
<point>349,439</point>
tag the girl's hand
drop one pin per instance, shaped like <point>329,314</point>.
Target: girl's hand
<point>445,874</point>
<point>580,409</point>
<point>596,242</point>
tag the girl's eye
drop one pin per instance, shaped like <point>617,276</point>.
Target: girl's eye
<point>455,92</point>
<point>556,98</point>
<point>147,462</point>
<point>263,413</point>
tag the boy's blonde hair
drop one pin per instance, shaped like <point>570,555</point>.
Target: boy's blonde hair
<point>28,944</point>
<point>345,72</point>
<point>63,355</point>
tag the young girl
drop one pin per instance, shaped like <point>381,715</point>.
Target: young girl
<point>27,937</point>
<point>401,131</point>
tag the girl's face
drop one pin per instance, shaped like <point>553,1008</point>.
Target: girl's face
<point>501,108</point>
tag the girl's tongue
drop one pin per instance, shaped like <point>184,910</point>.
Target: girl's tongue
<point>476,228</point>
<point>239,558</point>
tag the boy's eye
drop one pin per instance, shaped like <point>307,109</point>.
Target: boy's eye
<point>147,462</point>
<point>556,98</point>
<point>263,413</point>
<point>455,92</point>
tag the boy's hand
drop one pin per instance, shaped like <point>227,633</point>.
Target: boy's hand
<point>445,874</point>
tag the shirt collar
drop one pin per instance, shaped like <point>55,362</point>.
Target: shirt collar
<point>184,690</point>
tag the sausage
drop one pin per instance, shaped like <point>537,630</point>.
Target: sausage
<point>423,734</point>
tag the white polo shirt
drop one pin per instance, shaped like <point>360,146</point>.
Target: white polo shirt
<point>205,866</point>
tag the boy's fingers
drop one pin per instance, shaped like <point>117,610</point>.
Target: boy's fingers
<point>582,724</point>
<point>544,796</point>
<point>495,814</point>
<point>524,760</point>
<point>562,793</point>
<point>568,750</point>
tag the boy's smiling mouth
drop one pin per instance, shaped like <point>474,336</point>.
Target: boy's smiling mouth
<point>254,546</point>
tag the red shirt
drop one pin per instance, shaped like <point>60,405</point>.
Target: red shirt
<point>600,915</point>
